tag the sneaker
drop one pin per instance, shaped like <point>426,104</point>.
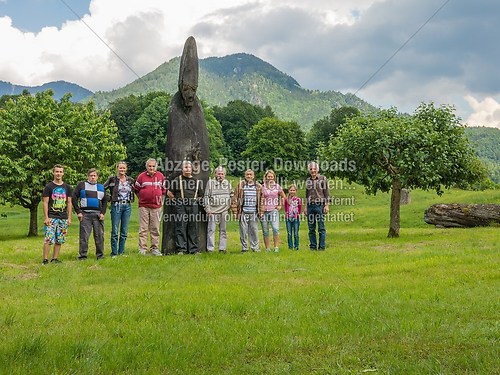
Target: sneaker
<point>222,251</point>
<point>45,261</point>
<point>244,251</point>
<point>180,253</point>
<point>142,251</point>
<point>82,257</point>
<point>256,251</point>
<point>55,260</point>
<point>156,252</point>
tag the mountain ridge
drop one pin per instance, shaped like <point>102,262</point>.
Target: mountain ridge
<point>60,88</point>
<point>242,76</point>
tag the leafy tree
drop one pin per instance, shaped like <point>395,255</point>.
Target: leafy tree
<point>127,110</point>
<point>428,150</point>
<point>237,118</point>
<point>218,147</point>
<point>37,132</point>
<point>328,126</point>
<point>278,145</point>
<point>148,134</point>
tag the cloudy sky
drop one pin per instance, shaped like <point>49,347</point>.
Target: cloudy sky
<point>389,52</point>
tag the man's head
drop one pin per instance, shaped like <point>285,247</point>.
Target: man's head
<point>249,175</point>
<point>313,169</point>
<point>58,172</point>
<point>220,173</point>
<point>151,166</point>
<point>187,168</point>
<point>92,175</point>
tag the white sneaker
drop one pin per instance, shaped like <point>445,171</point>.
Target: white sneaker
<point>156,252</point>
<point>142,252</point>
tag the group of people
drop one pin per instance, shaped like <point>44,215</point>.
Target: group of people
<point>250,203</point>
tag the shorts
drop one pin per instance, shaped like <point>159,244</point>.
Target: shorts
<point>56,231</point>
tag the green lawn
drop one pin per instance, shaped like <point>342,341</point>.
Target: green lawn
<point>425,303</point>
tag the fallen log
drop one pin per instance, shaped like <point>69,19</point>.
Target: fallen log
<point>462,215</point>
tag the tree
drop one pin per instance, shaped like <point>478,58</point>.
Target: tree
<point>148,134</point>
<point>237,118</point>
<point>36,132</point>
<point>428,150</point>
<point>328,126</point>
<point>218,147</point>
<point>278,145</point>
<point>125,112</point>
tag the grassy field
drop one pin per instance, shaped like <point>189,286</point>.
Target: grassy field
<point>425,303</point>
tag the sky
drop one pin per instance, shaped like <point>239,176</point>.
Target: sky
<point>390,53</point>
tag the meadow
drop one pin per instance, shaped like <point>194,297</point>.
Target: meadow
<point>427,302</point>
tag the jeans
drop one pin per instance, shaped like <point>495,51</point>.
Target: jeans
<point>120,217</point>
<point>292,229</point>
<point>315,216</point>
<point>273,218</point>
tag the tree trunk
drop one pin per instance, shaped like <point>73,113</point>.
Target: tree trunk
<point>33,231</point>
<point>462,215</point>
<point>405,196</point>
<point>395,209</point>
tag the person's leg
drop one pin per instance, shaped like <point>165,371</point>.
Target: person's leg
<point>289,224</point>
<point>98,226</point>
<point>295,230</point>
<point>275,225</point>
<point>126,211</point>
<point>115,222</point>
<point>85,230</point>
<point>192,228</point>
<point>154,230</point>
<point>48,240</point>
<point>244,232</point>
<point>212,222</point>
<point>321,230</point>
<point>253,231</point>
<point>60,238</point>
<point>265,229</point>
<point>311,222</point>
<point>143,229</point>
<point>223,218</point>
<point>181,228</point>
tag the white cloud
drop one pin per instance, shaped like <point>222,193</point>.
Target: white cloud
<point>486,112</point>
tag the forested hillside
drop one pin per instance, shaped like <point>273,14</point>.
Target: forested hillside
<point>486,141</point>
<point>248,78</point>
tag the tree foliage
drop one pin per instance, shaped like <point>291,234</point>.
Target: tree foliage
<point>37,132</point>
<point>279,145</point>
<point>327,127</point>
<point>237,118</point>
<point>428,150</point>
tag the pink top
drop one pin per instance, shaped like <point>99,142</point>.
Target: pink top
<point>270,195</point>
<point>293,207</point>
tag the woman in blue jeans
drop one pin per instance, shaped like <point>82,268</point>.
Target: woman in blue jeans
<point>122,195</point>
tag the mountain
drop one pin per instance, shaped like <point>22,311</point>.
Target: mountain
<point>486,141</point>
<point>59,87</point>
<point>245,77</point>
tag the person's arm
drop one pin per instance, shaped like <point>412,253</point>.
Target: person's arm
<point>281,199</point>
<point>75,203</point>
<point>46,219</point>
<point>326,194</point>
<point>69,206</point>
